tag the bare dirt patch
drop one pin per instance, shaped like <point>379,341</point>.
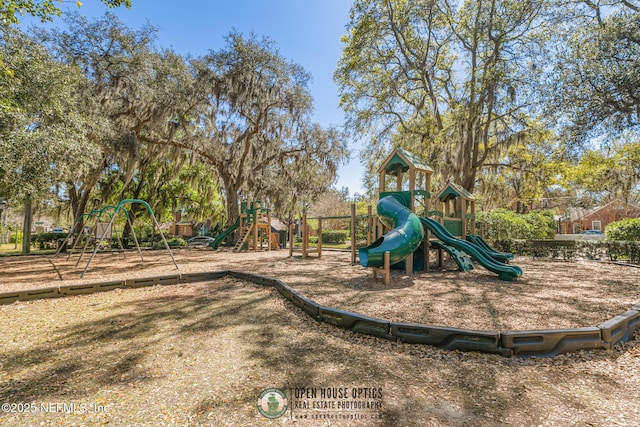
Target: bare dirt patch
<point>200,354</point>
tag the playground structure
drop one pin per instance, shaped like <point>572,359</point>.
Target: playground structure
<point>255,229</point>
<point>409,237</point>
<point>406,242</point>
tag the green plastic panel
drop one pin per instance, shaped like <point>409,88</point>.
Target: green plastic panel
<point>395,165</point>
<point>463,261</point>
<point>453,227</point>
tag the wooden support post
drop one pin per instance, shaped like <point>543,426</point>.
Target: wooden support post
<point>473,217</point>
<point>427,204</point>
<point>290,239</point>
<point>408,264</point>
<point>319,245</point>
<point>385,272</point>
<point>305,235</point>
<point>463,217</point>
<point>427,249</point>
<point>353,233</point>
<point>268,230</point>
<point>412,187</point>
<point>369,225</point>
<point>255,229</point>
<point>387,267</point>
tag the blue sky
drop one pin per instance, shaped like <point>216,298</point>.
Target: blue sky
<point>305,31</point>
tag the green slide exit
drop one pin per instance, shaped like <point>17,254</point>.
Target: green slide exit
<point>504,271</point>
<point>224,234</point>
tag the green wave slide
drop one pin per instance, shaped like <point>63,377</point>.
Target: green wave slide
<point>498,256</point>
<point>404,238</point>
<point>220,237</point>
<point>504,271</point>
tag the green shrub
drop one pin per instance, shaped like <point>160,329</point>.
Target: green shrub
<point>605,250</point>
<point>174,242</point>
<point>610,250</point>
<point>47,240</point>
<point>505,225</point>
<point>514,246</point>
<point>361,229</point>
<point>338,237</point>
<point>625,230</point>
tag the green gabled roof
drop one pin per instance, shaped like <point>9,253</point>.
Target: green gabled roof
<point>402,160</point>
<point>452,190</point>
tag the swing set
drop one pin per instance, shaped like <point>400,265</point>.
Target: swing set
<point>103,231</point>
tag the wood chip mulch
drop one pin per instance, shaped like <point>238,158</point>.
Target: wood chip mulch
<point>201,354</point>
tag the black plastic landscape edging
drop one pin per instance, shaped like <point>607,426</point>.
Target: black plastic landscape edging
<point>449,338</point>
<point>534,343</point>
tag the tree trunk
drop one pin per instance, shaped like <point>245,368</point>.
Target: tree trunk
<point>231,197</point>
<point>80,198</point>
<point>26,224</point>
<point>232,205</point>
<point>80,207</point>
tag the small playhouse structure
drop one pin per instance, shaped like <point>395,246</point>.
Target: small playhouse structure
<point>255,228</point>
<point>411,222</point>
<point>400,164</point>
<point>457,210</point>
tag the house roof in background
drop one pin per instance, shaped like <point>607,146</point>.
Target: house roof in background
<point>577,214</point>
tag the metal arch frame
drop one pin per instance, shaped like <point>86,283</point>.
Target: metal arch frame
<point>79,220</point>
<point>99,213</point>
<point>113,216</point>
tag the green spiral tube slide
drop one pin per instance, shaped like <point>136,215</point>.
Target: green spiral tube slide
<point>404,238</point>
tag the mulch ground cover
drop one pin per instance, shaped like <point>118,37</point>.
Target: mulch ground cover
<point>202,353</point>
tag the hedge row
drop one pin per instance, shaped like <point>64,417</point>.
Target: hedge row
<point>338,237</point>
<point>47,240</point>
<point>504,224</point>
<point>604,250</point>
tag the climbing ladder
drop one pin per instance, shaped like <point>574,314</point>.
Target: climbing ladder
<point>246,232</point>
<point>274,242</point>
